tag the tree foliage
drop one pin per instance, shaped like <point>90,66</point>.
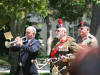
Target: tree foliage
<point>21,7</point>
<point>18,9</point>
<point>70,10</point>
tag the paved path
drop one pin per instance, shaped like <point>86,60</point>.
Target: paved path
<point>4,69</point>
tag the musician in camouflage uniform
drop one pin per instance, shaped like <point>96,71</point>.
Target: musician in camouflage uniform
<point>63,47</point>
<point>85,38</point>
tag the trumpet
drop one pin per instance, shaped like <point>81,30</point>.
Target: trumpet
<point>12,43</point>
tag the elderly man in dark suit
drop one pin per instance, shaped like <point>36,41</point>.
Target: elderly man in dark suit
<point>28,52</point>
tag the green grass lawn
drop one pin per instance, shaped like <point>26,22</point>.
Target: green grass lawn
<point>4,73</point>
<point>8,74</point>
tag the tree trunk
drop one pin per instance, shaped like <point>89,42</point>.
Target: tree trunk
<point>95,22</point>
<point>17,29</point>
<point>49,35</point>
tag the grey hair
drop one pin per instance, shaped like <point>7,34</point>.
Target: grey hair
<point>32,28</point>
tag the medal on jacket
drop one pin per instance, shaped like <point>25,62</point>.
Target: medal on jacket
<point>29,45</point>
<point>56,48</point>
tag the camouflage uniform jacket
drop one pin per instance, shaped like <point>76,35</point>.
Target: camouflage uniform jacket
<point>89,40</point>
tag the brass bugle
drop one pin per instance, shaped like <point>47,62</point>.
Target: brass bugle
<point>11,43</point>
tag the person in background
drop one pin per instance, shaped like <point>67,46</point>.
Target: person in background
<point>63,49</point>
<point>85,38</point>
<point>86,62</point>
<point>28,52</point>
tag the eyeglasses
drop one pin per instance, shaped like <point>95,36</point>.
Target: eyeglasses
<point>80,29</point>
<point>57,30</point>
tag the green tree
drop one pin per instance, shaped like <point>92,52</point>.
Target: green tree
<point>70,10</point>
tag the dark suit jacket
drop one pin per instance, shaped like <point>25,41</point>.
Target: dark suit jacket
<point>28,51</point>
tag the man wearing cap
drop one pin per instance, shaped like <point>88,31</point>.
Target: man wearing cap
<point>63,47</point>
<point>85,38</point>
<point>28,52</point>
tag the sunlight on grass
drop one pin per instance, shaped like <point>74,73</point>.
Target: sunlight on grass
<point>4,60</point>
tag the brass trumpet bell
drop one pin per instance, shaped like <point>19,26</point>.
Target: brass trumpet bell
<point>12,43</point>
<point>9,36</point>
<point>7,44</point>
